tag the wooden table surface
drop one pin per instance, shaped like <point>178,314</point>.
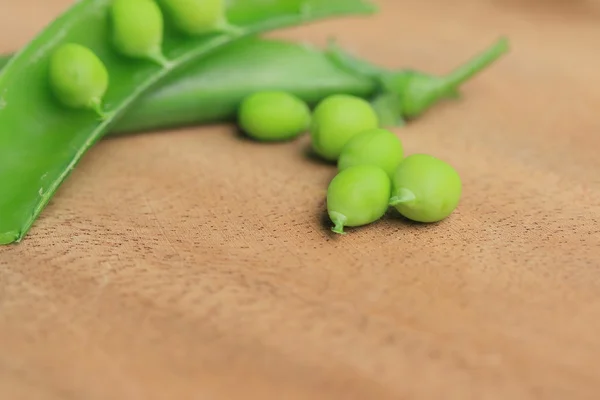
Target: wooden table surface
<point>195,265</point>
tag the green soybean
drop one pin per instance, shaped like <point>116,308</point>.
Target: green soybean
<point>273,116</point>
<point>377,147</point>
<point>78,78</point>
<point>358,196</point>
<point>137,29</point>
<point>337,119</point>
<point>425,188</point>
<point>198,17</point>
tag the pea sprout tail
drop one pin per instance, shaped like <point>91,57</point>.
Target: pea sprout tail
<point>403,196</point>
<point>339,221</point>
<point>477,64</point>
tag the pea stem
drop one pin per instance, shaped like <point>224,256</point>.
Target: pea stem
<point>403,196</point>
<point>477,64</point>
<point>339,221</point>
<point>158,57</point>
<point>96,106</point>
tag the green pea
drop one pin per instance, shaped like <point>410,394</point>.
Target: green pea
<point>378,147</point>
<point>357,196</point>
<point>198,17</point>
<point>425,188</point>
<point>137,29</point>
<point>273,116</point>
<point>78,78</point>
<point>337,119</point>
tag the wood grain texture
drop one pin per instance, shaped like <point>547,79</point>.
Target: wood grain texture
<point>195,265</point>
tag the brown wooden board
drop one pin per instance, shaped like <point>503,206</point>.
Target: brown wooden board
<point>195,265</point>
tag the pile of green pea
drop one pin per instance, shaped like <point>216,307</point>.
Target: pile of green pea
<point>373,172</point>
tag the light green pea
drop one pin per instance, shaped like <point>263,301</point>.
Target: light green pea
<point>425,188</point>
<point>357,196</point>
<point>273,116</point>
<point>337,119</point>
<point>78,78</point>
<point>198,17</point>
<point>378,147</point>
<point>137,29</point>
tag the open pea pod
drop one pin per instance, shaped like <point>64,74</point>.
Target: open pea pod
<point>210,89</point>
<point>41,140</point>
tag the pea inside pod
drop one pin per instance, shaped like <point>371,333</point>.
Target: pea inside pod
<point>198,17</point>
<point>137,29</point>
<point>78,78</point>
<point>358,196</point>
<point>378,147</point>
<point>337,119</point>
<point>425,188</point>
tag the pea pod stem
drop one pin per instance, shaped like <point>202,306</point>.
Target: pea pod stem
<point>418,92</point>
<point>35,158</point>
<point>477,64</point>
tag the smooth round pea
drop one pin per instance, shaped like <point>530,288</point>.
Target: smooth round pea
<point>137,29</point>
<point>273,116</point>
<point>378,147</point>
<point>357,196</point>
<point>425,188</point>
<point>337,119</point>
<point>77,77</point>
<point>197,17</point>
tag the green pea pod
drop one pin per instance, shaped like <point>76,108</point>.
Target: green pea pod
<point>211,90</point>
<point>41,141</point>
